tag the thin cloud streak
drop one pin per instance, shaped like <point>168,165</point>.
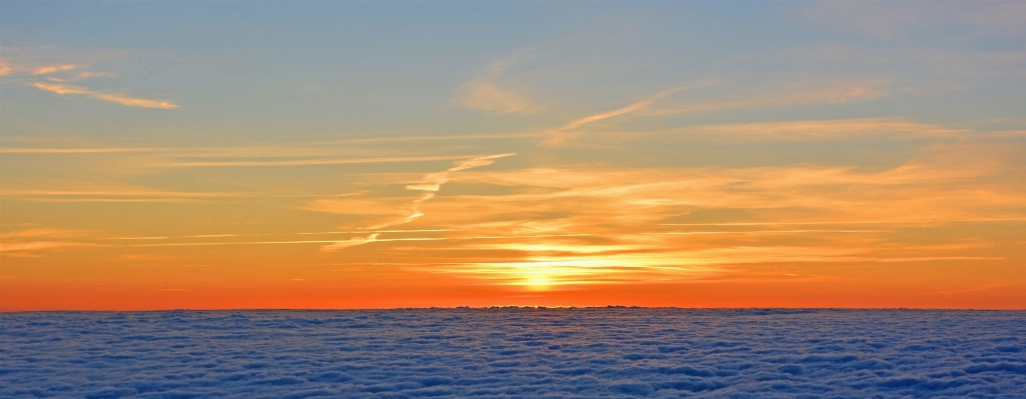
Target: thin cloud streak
<point>441,138</point>
<point>56,76</point>
<point>934,258</point>
<point>111,97</point>
<point>768,232</point>
<point>622,211</point>
<point>540,271</point>
<point>352,242</point>
<point>39,245</point>
<point>491,92</point>
<point>8,68</point>
<point>123,195</point>
<point>308,162</point>
<point>788,96</point>
<point>74,150</point>
<point>200,244</point>
<point>617,112</point>
<point>818,130</point>
<point>846,222</point>
<point>560,135</point>
<point>431,183</point>
<point>120,193</point>
<point>111,200</point>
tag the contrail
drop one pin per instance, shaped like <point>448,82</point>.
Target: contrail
<point>428,185</point>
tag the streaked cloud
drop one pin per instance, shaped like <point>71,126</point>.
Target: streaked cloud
<point>9,150</point>
<point>640,105</point>
<point>655,156</point>
<point>560,135</point>
<point>783,97</point>
<point>818,130</point>
<point>118,98</point>
<point>307,162</point>
<point>43,70</point>
<point>428,185</point>
<point>431,183</point>
<point>622,212</point>
<point>9,68</point>
<point>540,271</point>
<point>53,77</point>
<point>492,91</point>
<point>587,225</point>
<point>38,245</point>
<point>40,239</point>
<point>349,243</point>
<point>119,194</point>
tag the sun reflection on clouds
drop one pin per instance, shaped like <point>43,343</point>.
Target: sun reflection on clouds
<point>542,270</point>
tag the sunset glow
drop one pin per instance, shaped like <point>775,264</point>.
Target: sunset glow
<point>379,155</point>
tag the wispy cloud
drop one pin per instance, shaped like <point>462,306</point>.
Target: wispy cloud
<point>41,232</point>
<point>783,97</point>
<point>352,242</point>
<point>118,98</point>
<point>38,245</point>
<point>119,194</point>
<point>53,77</point>
<point>46,69</point>
<point>817,130</point>
<point>560,135</point>
<point>808,94</point>
<point>428,185</point>
<point>9,150</point>
<point>306,162</point>
<point>491,90</point>
<point>9,68</point>
<point>356,241</point>
<point>617,225</point>
<point>431,183</point>
<point>545,270</point>
<point>843,222</point>
<point>40,239</point>
<point>640,105</point>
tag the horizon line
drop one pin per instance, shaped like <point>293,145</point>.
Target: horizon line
<point>511,307</point>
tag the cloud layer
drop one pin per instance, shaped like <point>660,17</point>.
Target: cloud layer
<point>542,353</point>
<point>54,78</point>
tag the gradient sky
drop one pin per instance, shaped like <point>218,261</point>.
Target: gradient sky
<point>165,155</point>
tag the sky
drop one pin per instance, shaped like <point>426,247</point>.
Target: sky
<point>336,155</point>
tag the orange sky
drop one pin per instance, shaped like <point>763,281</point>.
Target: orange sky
<point>820,158</point>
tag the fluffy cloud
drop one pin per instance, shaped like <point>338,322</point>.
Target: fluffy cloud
<point>515,352</point>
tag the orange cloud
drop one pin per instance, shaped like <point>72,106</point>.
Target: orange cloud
<point>112,97</point>
<point>306,162</point>
<point>45,239</point>
<point>431,183</point>
<point>71,150</point>
<point>349,243</point>
<point>37,245</point>
<point>609,225</point>
<point>640,105</point>
<point>491,92</point>
<point>560,135</point>
<point>786,96</point>
<point>813,130</point>
<point>5,68</point>
<point>46,69</point>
